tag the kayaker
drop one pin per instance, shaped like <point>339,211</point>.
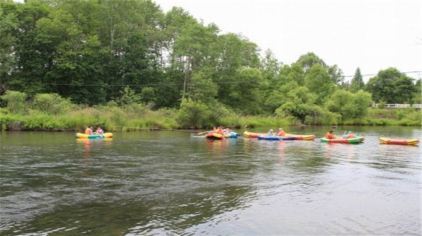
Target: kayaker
<point>330,135</point>
<point>99,131</point>
<point>350,135</point>
<point>220,130</point>
<point>281,132</point>
<point>270,132</point>
<point>88,130</point>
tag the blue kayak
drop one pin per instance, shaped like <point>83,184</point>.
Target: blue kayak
<point>270,138</point>
<point>231,135</point>
<point>288,138</point>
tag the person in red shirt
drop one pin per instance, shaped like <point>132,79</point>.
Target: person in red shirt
<point>281,132</point>
<point>330,135</point>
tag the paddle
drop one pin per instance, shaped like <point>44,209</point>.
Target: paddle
<point>203,133</point>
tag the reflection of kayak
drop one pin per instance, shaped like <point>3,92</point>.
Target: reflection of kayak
<point>354,140</point>
<point>94,136</point>
<point>214,135</point>
<point>399,141</point>
<point>269,137</point>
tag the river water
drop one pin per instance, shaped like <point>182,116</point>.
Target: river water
<point>169,183</point>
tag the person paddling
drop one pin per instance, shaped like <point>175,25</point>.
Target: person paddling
<point>88,130</point>
<point>99,131</point>
<point>220,130</point>
<point>330,135</point>
<point>281,132</point>
<point>270,132</point>
<point>349,134</point>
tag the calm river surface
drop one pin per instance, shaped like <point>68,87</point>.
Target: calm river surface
<point>160,183</point>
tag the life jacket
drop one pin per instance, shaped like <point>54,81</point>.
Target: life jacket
<point>281,133</point>
<point>330,136</point>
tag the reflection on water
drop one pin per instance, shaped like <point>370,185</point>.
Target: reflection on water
<point>88,143</point>
<point>169,183</point>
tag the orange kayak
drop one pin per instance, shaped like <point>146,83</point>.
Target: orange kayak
<point>214,135</point>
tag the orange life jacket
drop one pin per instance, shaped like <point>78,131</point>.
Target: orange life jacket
<point>330,136</point>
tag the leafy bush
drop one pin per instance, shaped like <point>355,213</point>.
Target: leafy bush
<point>15,101</point>
<point>349,105</point>
<point>193,114</point>
<point>128,96</point>
<point>51,103</point>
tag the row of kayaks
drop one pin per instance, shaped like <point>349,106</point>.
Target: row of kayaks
<point>262,136</point>
<point>308,137</point>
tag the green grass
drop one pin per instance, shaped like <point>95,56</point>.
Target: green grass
<point>388,117</point>
<point>111,118</point>
<point>139,117</point>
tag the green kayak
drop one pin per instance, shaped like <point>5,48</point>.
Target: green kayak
<point>354,140</point>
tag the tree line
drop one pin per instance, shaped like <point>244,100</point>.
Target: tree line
<point>101,51</point>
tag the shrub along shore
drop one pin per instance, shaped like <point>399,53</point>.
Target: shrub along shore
<point>50,112</point>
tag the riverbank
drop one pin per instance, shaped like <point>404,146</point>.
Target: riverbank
<point>138,117</point>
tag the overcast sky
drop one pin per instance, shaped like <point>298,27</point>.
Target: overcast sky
<point>370,34</point>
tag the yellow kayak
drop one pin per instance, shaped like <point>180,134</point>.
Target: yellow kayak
<point>298,137</point>
<point>399,141</point>
<point>93,136</point>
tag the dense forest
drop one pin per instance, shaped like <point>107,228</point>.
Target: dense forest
<point>116,53</point>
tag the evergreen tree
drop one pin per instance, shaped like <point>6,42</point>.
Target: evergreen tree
<point>357,81</point>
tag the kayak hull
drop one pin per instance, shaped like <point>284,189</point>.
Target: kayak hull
<point>269,138</point>
<point>214,136</point>
<point>93,136</point>
<point>286,137</point>
<point>399,141</point>
<point>231,135</point>
<point>307,137</point>
<point>248,134</point>
<point>355,140</point>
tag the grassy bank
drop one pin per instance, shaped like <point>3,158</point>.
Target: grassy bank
<point>139,117</point>
<point>55,113</point>
<point>388,117</point>
<point>112,118</point>
<point>128,118</point>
